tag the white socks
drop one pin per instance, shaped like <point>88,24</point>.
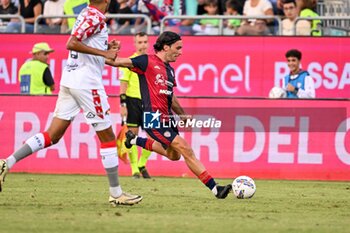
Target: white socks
<point>36,142</point>
<point>10,161</point>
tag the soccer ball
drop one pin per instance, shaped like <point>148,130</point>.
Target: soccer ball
<point>243,187</point>
<point>277,93</point>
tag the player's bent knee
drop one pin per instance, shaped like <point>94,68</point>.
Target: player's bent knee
<point>175,157</point>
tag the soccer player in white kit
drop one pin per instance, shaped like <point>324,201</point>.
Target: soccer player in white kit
<point>81,88</point>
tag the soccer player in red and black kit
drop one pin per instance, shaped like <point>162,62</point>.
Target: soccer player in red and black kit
<point>157,79</point>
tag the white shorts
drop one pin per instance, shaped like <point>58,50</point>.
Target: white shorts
<point>94,104</point>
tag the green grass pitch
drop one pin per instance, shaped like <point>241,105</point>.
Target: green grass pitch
<point>77,203</point>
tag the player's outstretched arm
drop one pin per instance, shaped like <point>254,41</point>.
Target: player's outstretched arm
<point>75,45</point>
<point>120,62</point>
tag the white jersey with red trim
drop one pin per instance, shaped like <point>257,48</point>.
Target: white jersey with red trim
<point>84,71</point>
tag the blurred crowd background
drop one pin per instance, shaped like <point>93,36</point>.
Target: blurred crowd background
<point>187,17</point>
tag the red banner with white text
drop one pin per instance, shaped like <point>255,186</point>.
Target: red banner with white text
<point>209,66</point>
<point>272,139</point>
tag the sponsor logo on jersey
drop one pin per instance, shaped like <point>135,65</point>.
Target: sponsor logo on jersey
<point>160,80</point>
<point>164,91</point>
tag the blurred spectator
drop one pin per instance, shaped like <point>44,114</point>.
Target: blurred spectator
<point>200,7</point>
<point>191,9</point>
<point>259,28</point>
<point>7,7</point>
<point>256,8</point>
<point>298,83</point>
<point>240,5</point>
<point>34,75</point>
<point>208,26</point>
<point>277,6</point>
<point>16,2</point>
<point>158,9</point>
<point>221,7</point>
<point>308,27</point>
<point>151,8</point>
<point>112,9</point>
<point>52,8</point>
<point>29,10</point>
<point>72,7</point>
<point>232,9</point>
<point>123,25</point>
<point>291,13</point>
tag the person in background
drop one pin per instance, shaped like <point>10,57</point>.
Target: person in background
<point>35,76</point>
<point>277,7</point>
<point>208,26</point>
<point>112,9</point>
<point>29,10</point>
<point>257,8</point>
<point>7,8</point>
<point>52,8</point>
<point>232,9</point>
<point>256,26</point>
<point>308,27</point>
<point>72,7</point>
<point>123,24</point>
<point>259,28</point>
<point>131,107</point>
<point>291,12</point>
<point>190,9</point>
<point>298,83</point>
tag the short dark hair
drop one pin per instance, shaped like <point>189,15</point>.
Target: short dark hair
<point>293,53</point>
<point>166,38</point>
<point>211,3</point>
<point>232,4</point>
<point>289,1</point>
<point>141,34</point>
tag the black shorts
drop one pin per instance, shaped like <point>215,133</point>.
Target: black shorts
<point>163,135</point>
<point>135,113</point>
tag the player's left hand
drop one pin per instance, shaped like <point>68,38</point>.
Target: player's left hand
<point>114,44</point>
<point>290,87</point>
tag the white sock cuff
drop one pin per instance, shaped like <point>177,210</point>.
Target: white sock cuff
<point>11,160</point>
<point>215,190</point>
<point>109,157</point>
<point>116,191</point>
<point>36,142</point>
<point>133,141</point>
